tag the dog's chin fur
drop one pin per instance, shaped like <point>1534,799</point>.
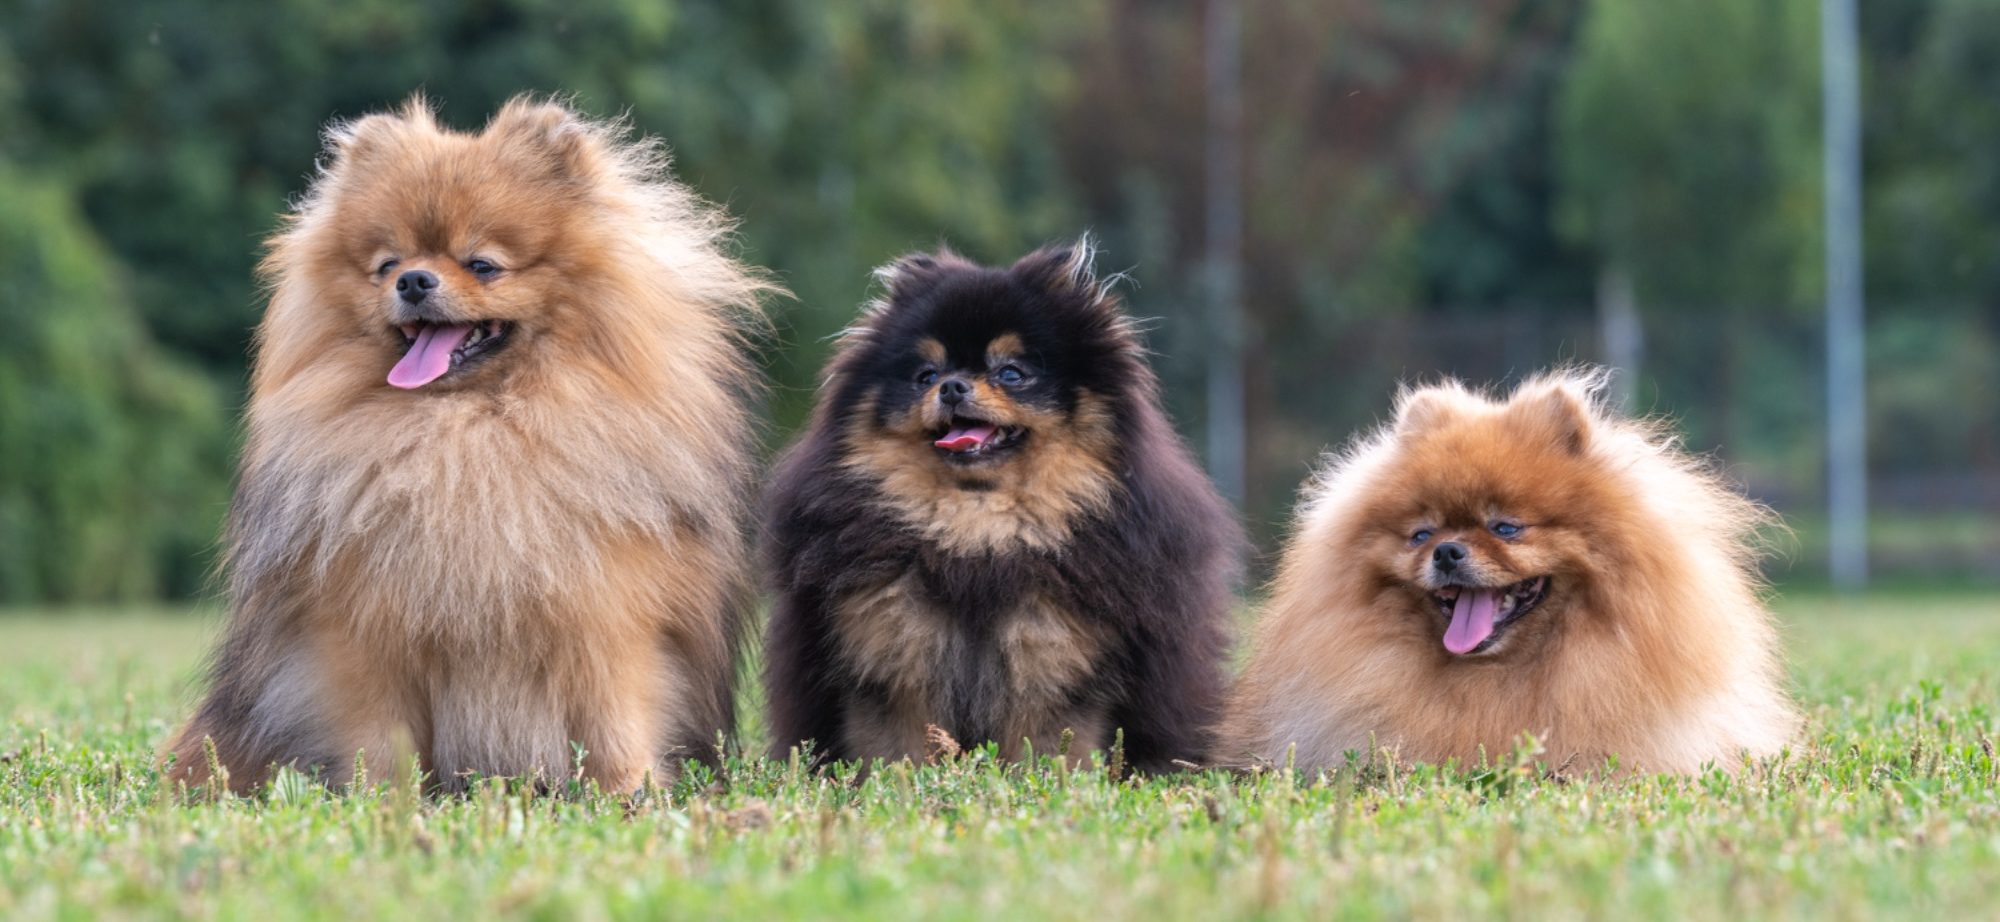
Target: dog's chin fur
<point>1650,646</point>
<point>1076,576</point>
<point>539,550</point>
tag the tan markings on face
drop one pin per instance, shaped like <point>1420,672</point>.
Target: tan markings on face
<point>931,350</point>
<point>1032,500</point>
<point>986,401</point>
<point>1003,349</point>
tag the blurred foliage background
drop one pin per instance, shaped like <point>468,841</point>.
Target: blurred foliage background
<point>1476,187</point>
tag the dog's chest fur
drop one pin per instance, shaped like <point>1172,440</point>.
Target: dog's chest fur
<point>981,666</point>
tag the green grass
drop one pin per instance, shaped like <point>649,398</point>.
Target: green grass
<point>1888,808</point>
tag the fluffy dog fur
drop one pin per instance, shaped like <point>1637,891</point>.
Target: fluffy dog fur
<point>1072,573</point>
<point>541,547</point>
<point>1648,642</point>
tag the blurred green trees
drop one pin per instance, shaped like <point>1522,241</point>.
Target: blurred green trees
<point>111,452</point>
<point>1689,150</point>
<point>1689,161</point>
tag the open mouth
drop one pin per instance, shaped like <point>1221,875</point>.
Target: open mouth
<point>438,349</point>
<point>968,439</point>
<point>1476,615</point>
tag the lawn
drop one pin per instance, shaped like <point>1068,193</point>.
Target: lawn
<point>1887,808</point>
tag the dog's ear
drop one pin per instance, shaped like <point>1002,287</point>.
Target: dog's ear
<point>1421,409</point>
<point>573,148</point>
<point>902,278</point>
<point>1064,268</point>
<point>914,273</point>
<point>1558,411</point>
<point>357,140</point>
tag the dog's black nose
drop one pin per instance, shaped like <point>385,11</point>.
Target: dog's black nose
<point>953,391</point>
<point>1447,556</point>
<point>416,284</point>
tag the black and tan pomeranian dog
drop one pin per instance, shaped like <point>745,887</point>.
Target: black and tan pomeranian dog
<point>991,527</point>
<point>490,504</point>
<point>1485,567</point>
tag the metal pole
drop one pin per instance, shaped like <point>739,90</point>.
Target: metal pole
<point>1846,393</point>
<point>1623,332</point>
<point>1223,56</point>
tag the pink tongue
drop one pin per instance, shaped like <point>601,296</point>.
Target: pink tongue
<point>1471,619</point>
<point>966,438</point>
<point>429,357</point>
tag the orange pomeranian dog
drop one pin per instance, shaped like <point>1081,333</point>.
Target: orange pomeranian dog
<point>1485,568</point>
<point>490,506</point>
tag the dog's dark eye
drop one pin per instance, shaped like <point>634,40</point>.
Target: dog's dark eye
<point>1506,529</point>
<point>927,377</point>
<point>387,265</point>
<point>1010,375</point>
<point>484,268</point>
<point>1422,535</point>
